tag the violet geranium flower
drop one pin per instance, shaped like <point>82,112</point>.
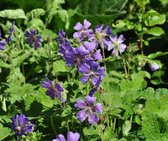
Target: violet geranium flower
<point>83,31</point>
<point>21,125</point>
<point>88,109</point>
<point>33,39</point>
<point>70,137</point>
<point>76,56</point>
<point>116,44</point>
<point>53,90</point>
<point>91,70</point>
<point>101,35</point>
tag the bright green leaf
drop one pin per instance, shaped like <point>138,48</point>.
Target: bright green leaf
<point>156,31</point>
<point>154,18</point>
<point>13,14</point>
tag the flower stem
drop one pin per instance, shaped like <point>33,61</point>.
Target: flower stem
<point>107,80</point>
<point>52,124</point>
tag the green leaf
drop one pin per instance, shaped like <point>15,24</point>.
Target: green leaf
<point>4,132</point>
<point>17,92</point>
<point>45,100</point>
<point>154,18</point>
<point>142,3</point>
<point>156,31</point>
<point>36,13</point>
<point>126,127</point>
<point>59,66</point>
<point>36,24</point>
<point>156,54</point>
<point>155,119</point>
<point>67,111</point>
<point>13,14</point>
<point>136,83</point>
<point>108,134</point>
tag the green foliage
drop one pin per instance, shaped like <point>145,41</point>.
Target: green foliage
<point>154,125</point>
<point>13,14</point>
<point>5,131</point>
<point>132,111</point>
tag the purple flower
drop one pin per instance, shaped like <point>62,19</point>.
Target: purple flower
<point>21,125</point>
<point>94,53</point>
<point>101,35</point>
<point>91,70</point>
<point>2,45</point>
<point>53,90</point>
<point>11,30</point>
<point>33,39</point>
<point>116,44</point>
<point>83,31</point>
<point>70,137</point>
<point>76,56</point>
<point>88,109</point>
<point>154,67</point>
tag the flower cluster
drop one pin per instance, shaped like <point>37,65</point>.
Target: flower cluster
<point>33,39</point>
<point>88,109</point>
<point>70,137</point>
<point>21,125</point>
<point>53,90</point>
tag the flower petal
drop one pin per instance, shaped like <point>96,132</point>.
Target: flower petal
<point>73,136</point>
<point>60,137</point>
<point>80,104</point>
<point>81,115</point>
<point>86,24</point>
<point>98,108</point>
<point>78,26</point>
<point>85,79</point>
<point>92,117</point>
<point>90,100</point>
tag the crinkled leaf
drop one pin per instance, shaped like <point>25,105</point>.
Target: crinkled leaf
<point>13,14</point>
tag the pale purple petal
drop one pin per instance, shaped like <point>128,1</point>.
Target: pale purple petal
<point>95,80</point>
<point>97,55</point>
<point>85,79</point>
<point>121,39</point>
<point>78,26</point>
<point>90,100</point>
<point>81,115</point>
<point>115,52</point>
<point>60,137</point>
<point>78,35</point>
<point>100,71</point>
<point>84,68</point>
<point>92,117</point>
<point>80,104</point>
<point>122,47</point>
<point>98,108</point>
<point>86,24</point>
<point>90,45</point>
<point>73,136</point>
